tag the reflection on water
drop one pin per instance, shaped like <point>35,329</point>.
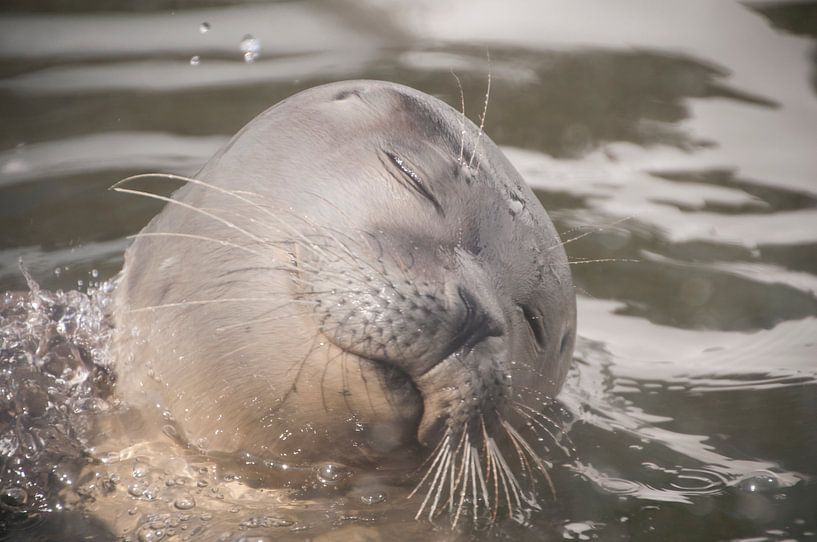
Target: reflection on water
<point>673,144</point>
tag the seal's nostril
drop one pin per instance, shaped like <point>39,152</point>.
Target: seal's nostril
<point>565,342</point>
<point>536,323</point>
<point>477,324</point>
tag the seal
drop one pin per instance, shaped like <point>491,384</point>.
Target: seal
<point>358,275</point>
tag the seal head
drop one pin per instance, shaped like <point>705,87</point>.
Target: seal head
<point>360,271</point>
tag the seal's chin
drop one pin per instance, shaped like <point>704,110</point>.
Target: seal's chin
<point>451,395</point>
<point>405,393</point>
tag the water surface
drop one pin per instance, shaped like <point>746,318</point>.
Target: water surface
<point>674,145</point>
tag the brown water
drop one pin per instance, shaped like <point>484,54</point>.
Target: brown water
<point>682,136</point>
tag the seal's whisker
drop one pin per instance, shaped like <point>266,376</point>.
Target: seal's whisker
<point>305,266</point>
<point>433,455</point>
<point>494,478</point>
<point>233,351</point>
<point>284,268</point>
<point>504,476</point>
<point>190,207</point>
<point>183,178</point>
<point>465,470</point>
<point>536,417</point>
<point>286,226</point>
<point>539,414</point>
<point>222,329</point>
<point>444,473</point>
<point>595,229</point>
<point>474,469</point>
<point>490,469</point>
<point>343,355</point>
<point>523,461</point>
<point>193,236</point>
<point>604,260</point>
<point>353,257</point>
<point>300,364</point>
<point>461,159</point>
<point>344,377</point>
<point>537,424</point>
<point>437,468</point>
<point>482,484</point>
<point>484,113</point>
<point>366,388</point>
<point>328,250</point>
<point>544,398</point>
<point>524,450</point>
<point>456,479</point>
<point>540,465</point>
<point>215,301</point>
<point>191,180</point>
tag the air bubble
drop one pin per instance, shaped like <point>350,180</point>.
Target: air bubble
<point>13,496</point>
<point>185,502</point>
<point>136,490</point>
<point>759,482</point>
<point>331,473</point>
<point>266,521</point>
<point>251,48</point>
<point>148,534</point>
<point>375,497</point>
<point>204,27</point>
<point>195,60</point>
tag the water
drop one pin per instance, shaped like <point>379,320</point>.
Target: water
<point>681,137</point>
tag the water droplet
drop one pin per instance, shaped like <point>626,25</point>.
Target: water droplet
<point>139,470</point>
<point>185,502</point>
<point>204,27</point>
<point>251,48</point>
<point>376,497</point>
<point>266,521</point>
<point>136,490</point>
<point>13,496</point>
<point>759,482</point>
<point>148,534</point>
<point>194,60</point>
<point>331,473</point>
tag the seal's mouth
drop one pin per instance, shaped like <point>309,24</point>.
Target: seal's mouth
<point>450,395</point>
<point>406,392</point>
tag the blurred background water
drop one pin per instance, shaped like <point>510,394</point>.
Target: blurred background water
<point>680,136</point>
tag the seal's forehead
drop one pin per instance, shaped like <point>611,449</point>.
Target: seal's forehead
<point>433,123</point>
<point>391,105</point>
<point>445,148</point>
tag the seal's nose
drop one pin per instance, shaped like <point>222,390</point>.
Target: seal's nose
<point>477,324</point>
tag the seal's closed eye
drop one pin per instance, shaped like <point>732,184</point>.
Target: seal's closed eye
<point>411,180</point>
